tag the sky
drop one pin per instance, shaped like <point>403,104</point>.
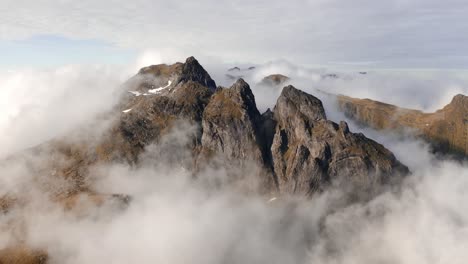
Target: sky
<point>416,34</point>
<point>63,63</point>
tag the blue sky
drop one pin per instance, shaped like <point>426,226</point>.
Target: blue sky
<point>53,50</point>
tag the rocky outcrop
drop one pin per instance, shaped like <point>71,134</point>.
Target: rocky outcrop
<point>160,75</point>
<point>22,255</point>
<point>296,148</point>
<point>150,116</point>
<point>275,79</point>
<point>232,128</point>
<point>234,69</point>
<point>230,123</point>
<point>193,71</point>
<point>7,202</point>
<point>309,152</point>
<point>292,150</point>
<point>446,129</point>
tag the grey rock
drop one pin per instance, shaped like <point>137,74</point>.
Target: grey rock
<point>232,128</point>
<point>309,152</point>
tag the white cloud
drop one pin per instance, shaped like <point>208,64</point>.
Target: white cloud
<point>37,105</point>
<point>399,33</point>
<point>175,219</point>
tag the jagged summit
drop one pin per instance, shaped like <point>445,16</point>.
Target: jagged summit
<point>294,147</point>
<point>292,150</point>
<point>241,84</point>
<point>303,104</point>
<point>193,71</point>
<point>460,100</point>
<point>309,151</point>
<point>163,78</point>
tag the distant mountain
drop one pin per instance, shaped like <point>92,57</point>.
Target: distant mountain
<point>446,129</point>
<point>275,79</point>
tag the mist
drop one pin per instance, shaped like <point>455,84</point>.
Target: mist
<point>175,218</point>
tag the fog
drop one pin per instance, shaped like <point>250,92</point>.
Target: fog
<point>174,218</point>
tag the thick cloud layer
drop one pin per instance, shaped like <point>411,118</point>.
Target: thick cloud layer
<point>175,219</point>
<point>363,33</point>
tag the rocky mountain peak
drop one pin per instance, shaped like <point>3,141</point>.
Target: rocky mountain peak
<point>241,91</point>
<point>193,71</point>
<point>275,79</point>
<point>295,102</point>
<point>309,151</point>
<point>296,149</point>
<point>234,100</point>
<point>240,85</point>
<point>460,101</point>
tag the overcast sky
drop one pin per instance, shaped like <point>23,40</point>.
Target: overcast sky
<point>368,33</point>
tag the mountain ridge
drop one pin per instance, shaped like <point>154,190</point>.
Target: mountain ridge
<point>291,150</point>
<point>446,129</point>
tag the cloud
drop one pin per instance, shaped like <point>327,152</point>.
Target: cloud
<point>174,218</point>
<point>37,105</point>
<point>392,34</point>
<point>424,90</point>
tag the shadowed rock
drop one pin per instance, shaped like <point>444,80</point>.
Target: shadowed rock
<point>231,127</point>
<point>295,148</point>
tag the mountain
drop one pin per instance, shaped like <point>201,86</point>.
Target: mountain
<point>310,151</point>
<point>292,150</point>
<point>446,129</point>
<point>275,79</point>
<point>296,148</point>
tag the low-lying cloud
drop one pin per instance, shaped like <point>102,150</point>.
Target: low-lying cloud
<point>174,218</point>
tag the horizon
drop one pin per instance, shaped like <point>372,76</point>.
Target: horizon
<point>364,35</point>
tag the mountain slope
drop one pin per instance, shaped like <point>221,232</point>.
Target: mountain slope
<point>177,116</point>
<point>446,129</point>
<point>297,150</point>
<point>309,152</point>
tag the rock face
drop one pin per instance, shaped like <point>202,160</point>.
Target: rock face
<point>232,128</point>
<point>295,147</point>
<point>446,129</point>
<point>230,123</point>
<point>22,255</point>
<point>309,151</point>
<point>293,150</point>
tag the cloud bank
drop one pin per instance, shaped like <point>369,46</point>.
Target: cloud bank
<point>175,219</point>
<point>363,33</point>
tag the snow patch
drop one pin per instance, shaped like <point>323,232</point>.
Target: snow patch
<point>126,111</point>
<point>272,199</point>
<point>136,93</point>
<point>158,90</point>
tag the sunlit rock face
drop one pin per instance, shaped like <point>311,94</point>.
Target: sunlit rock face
<point>175,115</point>
<point>446,129</point>
<point>294,148</point>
